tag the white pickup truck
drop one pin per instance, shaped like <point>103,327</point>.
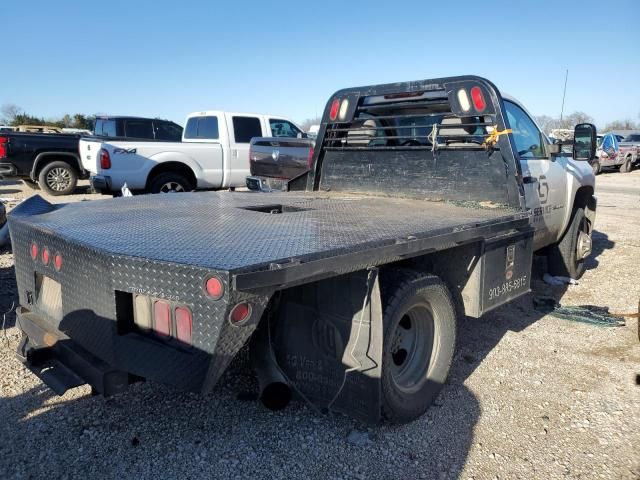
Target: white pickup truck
<point>213,153</point>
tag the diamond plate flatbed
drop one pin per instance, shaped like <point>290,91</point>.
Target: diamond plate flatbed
<point>228,231</point>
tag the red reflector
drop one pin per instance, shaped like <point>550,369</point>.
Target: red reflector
<point>57,261</point>
<point>34,251</point>
<point>478,99</point>
<point>215,288</point>
<point>162,318</point>
<point>3,147</point>
<point>310,158</point>
<point>184,324</point>
<point>240,313</point>
<point>105,160</point>
<point>335,106</point>
<point>45,256</point>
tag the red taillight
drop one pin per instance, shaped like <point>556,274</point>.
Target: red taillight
<point>105,160</point>
<point>162,318</point>
<point>310,158</point>
<point>478,99</point>
<point>184,323</point>
<point>45,256</point>
<point>34,250</point>
<point>333,112</point>
<point>240,313</point>
<point>3,146</point>
<point>57,261</point>
<point>215,288</point>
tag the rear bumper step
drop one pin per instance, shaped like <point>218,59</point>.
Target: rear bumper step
<point>62,364</point>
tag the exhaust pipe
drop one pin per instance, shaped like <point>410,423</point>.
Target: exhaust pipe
<point>275,393</point>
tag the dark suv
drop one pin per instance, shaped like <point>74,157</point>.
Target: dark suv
<point>139,128</point>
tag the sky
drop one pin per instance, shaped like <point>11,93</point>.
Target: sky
<point>166,59</point>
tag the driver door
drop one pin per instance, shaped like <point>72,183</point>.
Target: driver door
<point>543,176</point>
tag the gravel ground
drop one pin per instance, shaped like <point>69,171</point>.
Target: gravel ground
<point>530,396</point>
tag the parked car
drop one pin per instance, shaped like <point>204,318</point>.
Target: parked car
<point>214,153</point>
<point>347,289</point>
<point>137,128</point>
<point>608,155</point>
<point>631,147</point>
<point>273,161</point>
<point>49,160</point>
<point>52,161</point>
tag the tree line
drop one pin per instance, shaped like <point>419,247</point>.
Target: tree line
<point>13,115</point>
<point>546,123</point>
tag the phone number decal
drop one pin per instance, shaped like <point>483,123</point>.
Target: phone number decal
<point>511,286</point>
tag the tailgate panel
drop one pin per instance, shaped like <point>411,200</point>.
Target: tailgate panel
<point>88,314</point>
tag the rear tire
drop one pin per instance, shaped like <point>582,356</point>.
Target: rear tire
<point>627,166</point>
<point>564,259</point>
<point>419,343</point>
<point>170,182</point>
<point>58,178</point>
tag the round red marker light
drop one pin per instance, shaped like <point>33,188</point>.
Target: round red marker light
<point>34,250</point>
<point>240,313</point>
<point>45,256</point>
<point>333,112</point>
<point>478,99</point>
<point>57,261</point>
<point>215,288</point>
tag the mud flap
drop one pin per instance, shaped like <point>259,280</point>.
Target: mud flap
<point>327,338</point>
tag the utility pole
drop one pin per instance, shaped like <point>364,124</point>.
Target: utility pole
<point>564,93</point>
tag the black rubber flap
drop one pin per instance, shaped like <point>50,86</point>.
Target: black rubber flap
<point>328,342</point>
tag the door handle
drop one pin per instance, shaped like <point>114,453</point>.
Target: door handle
<point>529,180</point>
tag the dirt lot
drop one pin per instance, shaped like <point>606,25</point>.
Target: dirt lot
<point>530,396</point>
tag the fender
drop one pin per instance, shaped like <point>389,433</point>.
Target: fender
<point>196,168</point>
<point>578,174</point>
<point>41,157</point>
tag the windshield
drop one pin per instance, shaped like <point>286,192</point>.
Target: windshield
<point>634,137</point>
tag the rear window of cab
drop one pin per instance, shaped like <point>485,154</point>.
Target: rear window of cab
<point>202,128</point>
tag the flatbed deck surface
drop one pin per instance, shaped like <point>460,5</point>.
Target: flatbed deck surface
<point>225,231</point>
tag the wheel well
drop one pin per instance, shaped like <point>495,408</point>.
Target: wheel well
<point>583,197</point>
<point>54,157</point>
<point>175,167</point>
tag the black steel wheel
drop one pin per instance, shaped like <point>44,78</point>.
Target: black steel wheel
<point>419,343</point>
<point>58,178</point>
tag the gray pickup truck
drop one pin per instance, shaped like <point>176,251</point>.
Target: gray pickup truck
<point>273,161</point>
<point>630,148</point>
<point>424,203</point>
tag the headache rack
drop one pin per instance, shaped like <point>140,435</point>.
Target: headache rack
<point>409,122</point>
<point>443,139</point>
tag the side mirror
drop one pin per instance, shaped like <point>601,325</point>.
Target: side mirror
<point>584,142</point>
